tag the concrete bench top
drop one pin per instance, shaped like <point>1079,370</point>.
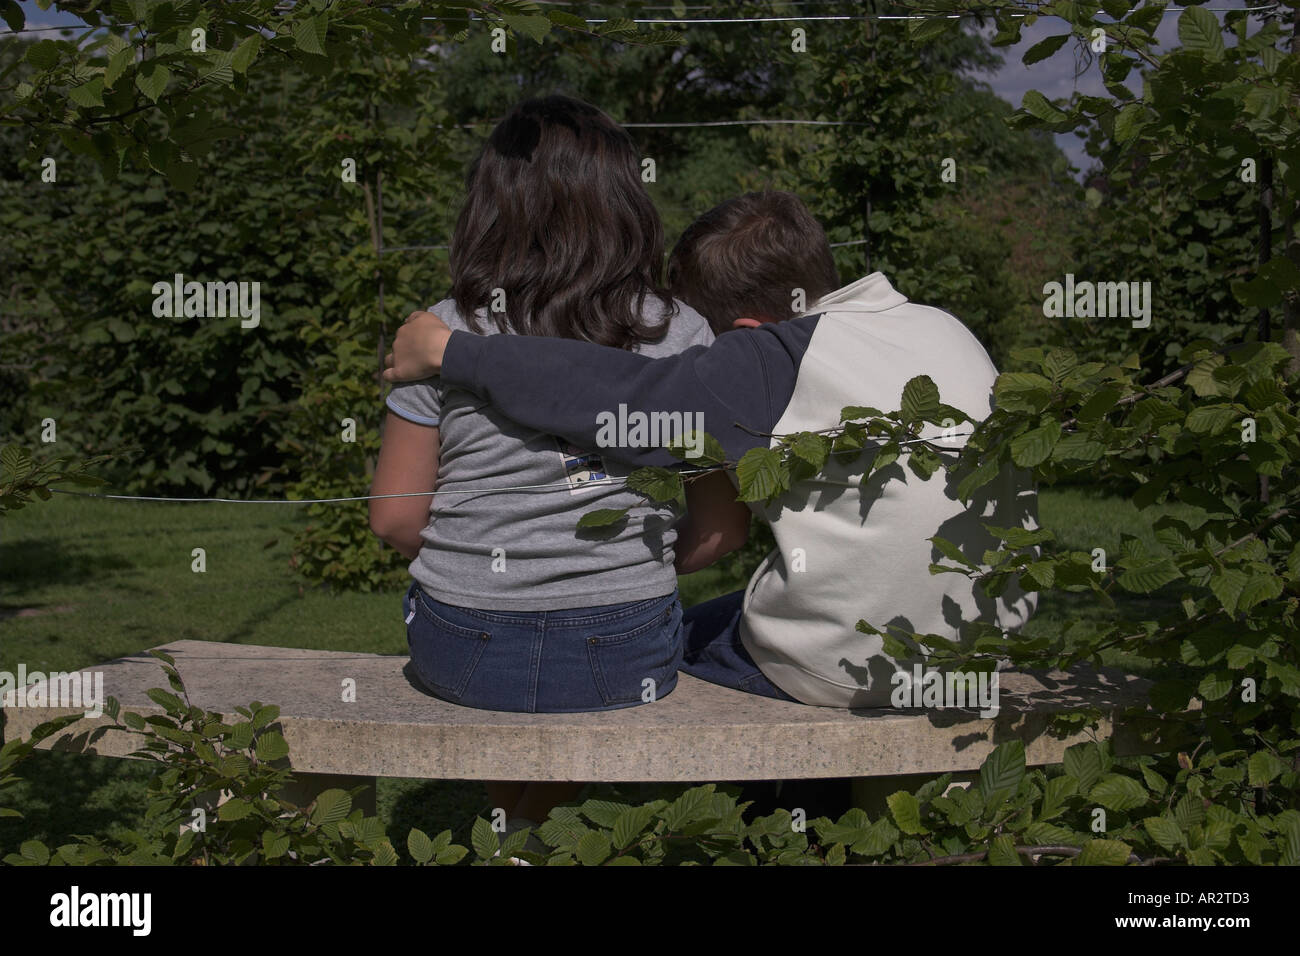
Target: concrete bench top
<point>699,732</point>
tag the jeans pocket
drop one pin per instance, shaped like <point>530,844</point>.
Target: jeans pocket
<point>621,662</point>
<point>444,653</point>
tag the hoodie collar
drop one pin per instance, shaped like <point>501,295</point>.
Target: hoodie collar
<point>871,293</point>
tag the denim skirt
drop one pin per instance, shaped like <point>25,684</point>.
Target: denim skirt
<point>566,661</point>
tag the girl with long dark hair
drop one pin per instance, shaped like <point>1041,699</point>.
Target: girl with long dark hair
<point>512,606</point>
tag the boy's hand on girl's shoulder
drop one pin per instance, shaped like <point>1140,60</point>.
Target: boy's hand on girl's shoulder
<point>417,349</point>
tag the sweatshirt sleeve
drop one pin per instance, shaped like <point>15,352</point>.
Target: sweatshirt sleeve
<point>742,382</point>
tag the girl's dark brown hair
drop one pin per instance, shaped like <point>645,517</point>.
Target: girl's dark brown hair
<point>745,257</point>
<point>556,217</point>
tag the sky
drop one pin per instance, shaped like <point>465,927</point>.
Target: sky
<point>1057,76</point>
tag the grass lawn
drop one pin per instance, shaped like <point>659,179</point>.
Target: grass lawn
<point>96,580</point>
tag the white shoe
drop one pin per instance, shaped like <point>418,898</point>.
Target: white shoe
<point>532,844</point>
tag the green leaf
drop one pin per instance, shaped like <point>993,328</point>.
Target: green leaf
<point>1083,763</point>
<point>1129,122</point>
<point>572,21</point>
<point>1165,832</point>
<point>885,456</point>
<point>331,806</point>
<point>88,94</point>
<point>13,15</point>
<point>603,813</point>
<point>879,837</point>
<point>235,809</point>
<point>450,856</point>
<point>1004,768</point>
<point>1171,695</point>
<point>151,79</point>
<point>1022,391</point>
<point>271,746</point>
<point>977,478</point>
<point>593,849</point>
<point>602,517</point>
<point>1118,792</point>
<point>274,845</point>
<point>241,735</point>
<point>1215,685</point>
<point>1099,403</point>
<point>1263,100</point>
<point>515,841</point>
<point>1264,767</point>
<point>1149,576</point>
<point>615,26</point>
<point>1201,378</point>
<point>1258,588</point>
<point>1002,851</point>
<point>1211,419</point>
<point>1104,853</point>
<point>630,823</point>
<point>1056,792</point>
<point>1037,106</point>
<point>309,35</point>
<point>951,551</point>
<point>1078,447</point>
<point>706,449</point>
<point>1227,586</point>
<point>812,449</point>
<point>760,475</point>
<point>168,702</point>
<point>1035,446</point>
<point>658,484</point>
<point>920,399</point>
<point>35,851</point>
<point>687,806</point>
<point>852,412</point>
<point>906,812</point>
<point>43,54</point>
<point>531,26</point>
<point>218,69</point>
<point>1199,31</point>
<point>1041,832</point>
<point>1044,48</point>
<point>245,53</point>
<point>1058,364</point>
<point>919,31</point>
<point>484,839</point>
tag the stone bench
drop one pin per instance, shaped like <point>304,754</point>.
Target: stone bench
<point>700,732</point>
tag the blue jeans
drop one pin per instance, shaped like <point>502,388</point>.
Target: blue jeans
<point>552,662</point>
<point>714,652</point>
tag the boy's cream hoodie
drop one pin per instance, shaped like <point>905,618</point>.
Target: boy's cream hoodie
<point>843,553</point>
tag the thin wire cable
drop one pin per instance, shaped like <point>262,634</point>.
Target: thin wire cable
<point>754,122</point>
<point>386,249</point>
<point>556,485</point>
<point>835,17</point>
<point>323,501</point>
<point>699,123</point>
<point>717,20</point>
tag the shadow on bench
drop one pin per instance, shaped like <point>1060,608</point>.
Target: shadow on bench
<point>349,718</point>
